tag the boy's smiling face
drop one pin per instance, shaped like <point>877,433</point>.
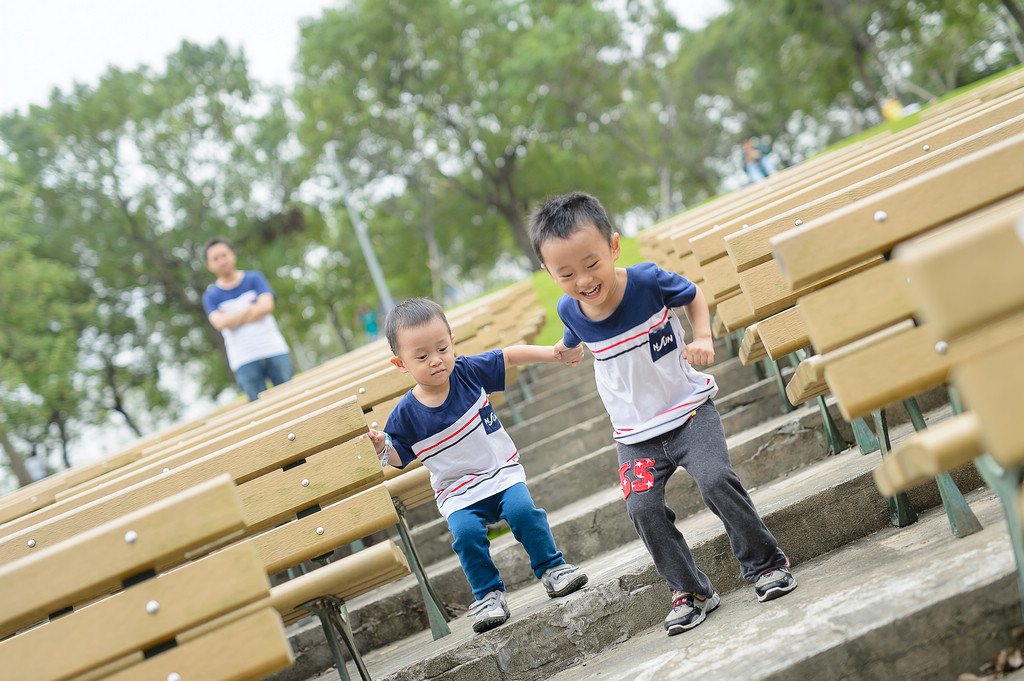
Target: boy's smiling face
<point>583,265</point>
<point>427,352</point>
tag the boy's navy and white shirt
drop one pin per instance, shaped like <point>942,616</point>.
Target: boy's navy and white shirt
<point>647,387</point>
<point>462,443</point>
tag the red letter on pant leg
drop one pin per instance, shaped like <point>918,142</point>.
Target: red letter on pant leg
<point>625,482</point>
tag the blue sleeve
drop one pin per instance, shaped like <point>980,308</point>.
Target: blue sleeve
<point>486,370</point>
<point>569,337</point>
<point>259,283</point>
<point>675,289</point>
<point>209,304</point>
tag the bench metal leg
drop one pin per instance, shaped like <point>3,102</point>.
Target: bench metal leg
<point>437,614</point>
<point>962,520</point>
<point>524,387</point>
<point>731,347</point>
<point>516,417</point>
<point>776,370</point>
<point>334,621</point>
<point>866,440</point>
<point>836,441</point>
<point>1006,484</point>
<point>901,511</point>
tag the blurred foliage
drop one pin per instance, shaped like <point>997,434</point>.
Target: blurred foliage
<point>451,120</point>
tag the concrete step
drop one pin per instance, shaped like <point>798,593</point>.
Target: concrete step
<point>813,510</point>
<point>910,604</point>
<point>570,490</point>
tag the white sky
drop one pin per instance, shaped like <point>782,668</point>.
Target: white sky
<point>53,43</point>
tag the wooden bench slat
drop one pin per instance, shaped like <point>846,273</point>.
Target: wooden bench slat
<point>923,150</point>
<point>768,292</point>
<point>120,624</point>
<point>887,371</point>
<point>32,588</point>
<point>990,385</point>
<point>852,234</point>
<point>752,349</point>
<point>257,643</point>
<point>856,306</point>
<point>987,256</point>
<point>925,454</point>
<point>783,333</point>
<point>336,472</point>
<point>735,313</point>
<point>342,523</point>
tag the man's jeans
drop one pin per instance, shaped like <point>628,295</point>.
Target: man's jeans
<point>252,377</point>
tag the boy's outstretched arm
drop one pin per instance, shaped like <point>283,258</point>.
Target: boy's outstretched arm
<point>381,444</point>
<point>519,355</point>
<point>701,349</point>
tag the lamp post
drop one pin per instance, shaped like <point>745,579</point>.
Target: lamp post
<point>361,234</point>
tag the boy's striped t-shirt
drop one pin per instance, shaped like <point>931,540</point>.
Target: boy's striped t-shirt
<point>462,443</point>
<point>646,385</point>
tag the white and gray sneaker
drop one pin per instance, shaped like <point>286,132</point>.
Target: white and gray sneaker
<point>774,583</point>
<point>689,610</point>
<point>562,580</point>
<point>489,612</point>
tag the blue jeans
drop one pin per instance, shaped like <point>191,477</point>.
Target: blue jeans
<point>529,525</point>
<point>252,377</point>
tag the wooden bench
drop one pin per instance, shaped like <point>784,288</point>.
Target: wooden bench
<point>138,612</point>
<point>306,489</point>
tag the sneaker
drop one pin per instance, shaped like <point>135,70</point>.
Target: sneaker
<point>774,583</point>
<point>689,610</point>
<point>562,580</point>
<point>489,612</point>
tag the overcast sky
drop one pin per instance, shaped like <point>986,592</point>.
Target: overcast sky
<point>53,43</point>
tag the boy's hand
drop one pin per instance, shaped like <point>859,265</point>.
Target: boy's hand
<point>571,356</point>
<point>700,352</point>
<point>377,438</point>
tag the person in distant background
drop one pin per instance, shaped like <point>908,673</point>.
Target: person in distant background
<point>368,320</point>
<point>240,304</point>
<point>756,159</point>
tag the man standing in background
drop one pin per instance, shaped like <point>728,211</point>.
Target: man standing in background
<point>240,304</point>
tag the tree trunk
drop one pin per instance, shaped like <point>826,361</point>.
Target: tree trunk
<point>1016,12</point>
<point>16,460</point>
<point>118,406</point>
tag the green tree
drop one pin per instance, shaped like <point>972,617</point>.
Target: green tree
<point>129,178</point>
<point>489,103</point>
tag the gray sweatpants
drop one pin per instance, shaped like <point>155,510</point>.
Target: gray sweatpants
<point>699,447</point>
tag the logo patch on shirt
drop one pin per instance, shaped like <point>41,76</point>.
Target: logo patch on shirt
<point>662,341</point>
<point>489,419</point>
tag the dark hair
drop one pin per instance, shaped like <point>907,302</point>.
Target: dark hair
<point>213,241</point>
<point>412,312</point>
<point>559,217</point>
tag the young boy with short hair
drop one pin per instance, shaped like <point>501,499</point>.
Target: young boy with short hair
<point>660,406</point>
<point>446,422</point>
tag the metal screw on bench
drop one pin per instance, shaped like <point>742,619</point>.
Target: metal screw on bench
<point>927,147</point>
<point>166,470</point>
<point>319,530</point>
<point>374,425</point>
<point>131,536</point>
<point>362,391</point>
<point>305,482</point>
<point>174,676</point>
<point>942,347</point>
<point>152,607</point>
<point>799,222</point>
<point>35,499</point>
<point>291,436</point>
<point>881,216</point>
<point>31,543</point>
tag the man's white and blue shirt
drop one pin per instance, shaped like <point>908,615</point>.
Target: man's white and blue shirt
<point>647,387</point>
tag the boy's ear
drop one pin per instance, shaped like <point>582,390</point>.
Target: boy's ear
<point>399,364</point>
<point>616,249</point>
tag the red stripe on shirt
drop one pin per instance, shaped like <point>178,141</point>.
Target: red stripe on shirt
<point>642,333</point>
